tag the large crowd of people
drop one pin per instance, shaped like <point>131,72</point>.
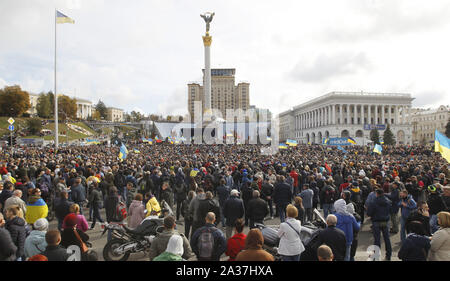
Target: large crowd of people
<point>218,190</point>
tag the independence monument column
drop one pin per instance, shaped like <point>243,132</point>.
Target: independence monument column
<point>207,83</point>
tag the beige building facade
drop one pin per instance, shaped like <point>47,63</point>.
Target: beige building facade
<point>114,114</point>
<point>426,121</point>
<point>225,94</point>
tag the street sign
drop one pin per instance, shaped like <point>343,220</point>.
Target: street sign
<point>11,121</point>
<point>11,127</point>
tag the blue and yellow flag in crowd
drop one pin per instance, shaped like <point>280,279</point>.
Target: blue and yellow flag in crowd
<point>442,145</point>
<point>291,142</point>
<point>378,149</point>
<point>326,141</point>
<point>136,151</point>
<point>61,18</point>
<point>282,146</point>
<point>92,141</point>
<point>123,151</point>
<point>352,141</point>
<point>342,149</point>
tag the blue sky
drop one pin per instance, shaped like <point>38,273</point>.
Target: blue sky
<point>139,55</point>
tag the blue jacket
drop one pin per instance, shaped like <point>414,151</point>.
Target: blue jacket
<point>348,224</point>
<point>411,206</point>
<point>35,243</point>
<point>379,209</point>
<point>414,248</point>
<point>78,194</point>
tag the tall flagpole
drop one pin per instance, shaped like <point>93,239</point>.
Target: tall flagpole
<point>56,97</point>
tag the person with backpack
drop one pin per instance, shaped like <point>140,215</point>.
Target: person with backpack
<point>291,246</point>
<point>208,242</point>
<point>161,241</point>
<point>111,204</point>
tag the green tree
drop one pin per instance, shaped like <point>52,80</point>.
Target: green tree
<point>101,108</point>
<point>34,125</point>
<point>44,106</point>
<point>447,129</point>
<point>67,107</point>
<point>154,117</point>
<point>388,136</point>
<point>136,116</point>
<point>375,136</point>
<point>13,101</point>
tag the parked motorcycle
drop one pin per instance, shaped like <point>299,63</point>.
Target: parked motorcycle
<point>308,236</point>
<point>125,241</point>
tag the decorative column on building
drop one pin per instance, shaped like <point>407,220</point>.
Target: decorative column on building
<point>355,114</point>
<point>369,117</point>
<point>383,118</point>
<point>207,40</point>
<point>348,114</point>
<point>362,114</point>
<point>376,115</point>
<point>340,115</point>
<point>390,115</point>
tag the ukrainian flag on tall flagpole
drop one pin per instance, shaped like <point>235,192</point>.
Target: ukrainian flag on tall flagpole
<point>123,151</point>
<point>378,149</point>
<point>61,18</point>
<point>442,145</point>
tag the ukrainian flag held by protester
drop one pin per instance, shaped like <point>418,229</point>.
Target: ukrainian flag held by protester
<point>282,146</point>
<point>123,152</point>
<point>378,149</point>
<point>352,141</point>
<point>291,142</point>
<point>442,145</point>
<point>61,18</point>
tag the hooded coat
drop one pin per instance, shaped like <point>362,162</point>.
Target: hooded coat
<point>136,213</point>
<point>174,250</point>
<point>35,243</point>
<point>345,221</point>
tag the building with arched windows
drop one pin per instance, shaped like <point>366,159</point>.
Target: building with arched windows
<point>348,114</point>
<point>425,122</point>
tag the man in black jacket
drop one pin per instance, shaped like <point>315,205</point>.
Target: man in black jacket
<point>208,205</point>
<point>55,252</point>
<point>62,208</point>
<point>266,194</point>
<point>333,237</point>
<point>379,211</point>
<point>232,210</point>
<point>282,196</point>
<point>257,209</point>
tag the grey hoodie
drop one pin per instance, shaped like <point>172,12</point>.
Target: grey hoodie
<point>35,243</point>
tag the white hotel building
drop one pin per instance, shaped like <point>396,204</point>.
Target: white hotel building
<point>348,114</point>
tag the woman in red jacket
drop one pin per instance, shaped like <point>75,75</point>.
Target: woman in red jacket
<point>237,242</point>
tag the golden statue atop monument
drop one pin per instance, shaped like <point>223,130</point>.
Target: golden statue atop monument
<point>208,18</point>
